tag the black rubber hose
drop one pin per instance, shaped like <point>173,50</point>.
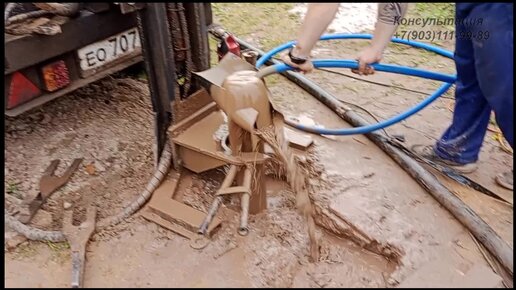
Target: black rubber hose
<point>480,229</point>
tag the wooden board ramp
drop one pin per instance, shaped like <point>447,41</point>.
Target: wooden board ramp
<point>174,215</point>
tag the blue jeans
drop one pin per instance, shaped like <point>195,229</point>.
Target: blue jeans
<point>484,62</point>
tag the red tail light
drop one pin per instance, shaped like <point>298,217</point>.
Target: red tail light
<point>56,76</point>
<point>21,90</point>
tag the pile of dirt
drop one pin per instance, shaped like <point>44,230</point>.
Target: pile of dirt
<point>108,124</point>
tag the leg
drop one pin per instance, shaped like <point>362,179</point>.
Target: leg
<point>494,61</point>
<point>494,58</point>
<point>461,142</point>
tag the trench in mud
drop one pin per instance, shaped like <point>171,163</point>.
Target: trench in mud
<point>278,243</point>
<point>298,171</point>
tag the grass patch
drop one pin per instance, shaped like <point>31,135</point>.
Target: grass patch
<point>60,251</point>
<point>273,80</point>
<point>56,247</point>
<point>25,251</point>
<point>440,11</point>
<point>267,23</point>
<point>424,11</point>
<point>214,59</point>
<point>142,75</point>
<point>136,71</point>
<point>13,189</point>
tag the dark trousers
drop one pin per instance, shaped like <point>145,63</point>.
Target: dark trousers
<point>484,62</point>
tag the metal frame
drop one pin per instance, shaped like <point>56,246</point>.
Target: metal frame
<point>198,29</point>
<point>159,58</point>
<point>159,63</point>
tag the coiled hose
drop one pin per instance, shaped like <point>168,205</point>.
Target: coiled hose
<point>32,233</point>
<point>448,79</point>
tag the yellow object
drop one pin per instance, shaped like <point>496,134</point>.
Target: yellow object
<point>493,128</point>
<point>503,143</point>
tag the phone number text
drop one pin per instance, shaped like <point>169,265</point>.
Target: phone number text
<point>441,35</point>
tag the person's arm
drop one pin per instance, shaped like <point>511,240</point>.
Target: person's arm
<point>318,17</point>
<point>388,18</point>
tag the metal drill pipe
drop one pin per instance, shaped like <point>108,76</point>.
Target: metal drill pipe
<point>244,202</point>
<point>218,200</point>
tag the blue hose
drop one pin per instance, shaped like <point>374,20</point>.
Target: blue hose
<point>341,63</point>
<point>377,126</point>
<point>448,79</point>
<point>262,60</point>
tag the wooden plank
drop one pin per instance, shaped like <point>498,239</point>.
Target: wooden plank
<point>298,140</point>
<point>174,215</point>
<point>149,215</point>
<point>234,189</point>
<point>195,117</point>
<point>201,148</point>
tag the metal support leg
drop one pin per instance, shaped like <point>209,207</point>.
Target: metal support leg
<point>244,201</point>
<point>218,200</point>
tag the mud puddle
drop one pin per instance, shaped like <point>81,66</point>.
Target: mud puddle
<point>296,177</point>
<point>142,254</point>
<point>276,251</point>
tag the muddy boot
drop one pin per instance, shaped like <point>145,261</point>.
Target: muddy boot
<point>427,152</point>
<point>505,179</point>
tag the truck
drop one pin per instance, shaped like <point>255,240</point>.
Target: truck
<point>99,39</point>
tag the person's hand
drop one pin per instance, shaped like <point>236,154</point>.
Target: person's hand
<point>365,58</point>
<point>306,67</point>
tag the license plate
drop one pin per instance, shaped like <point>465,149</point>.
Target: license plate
<point>106,51</point>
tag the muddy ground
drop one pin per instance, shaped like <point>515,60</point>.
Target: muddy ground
<point>109,124</point>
